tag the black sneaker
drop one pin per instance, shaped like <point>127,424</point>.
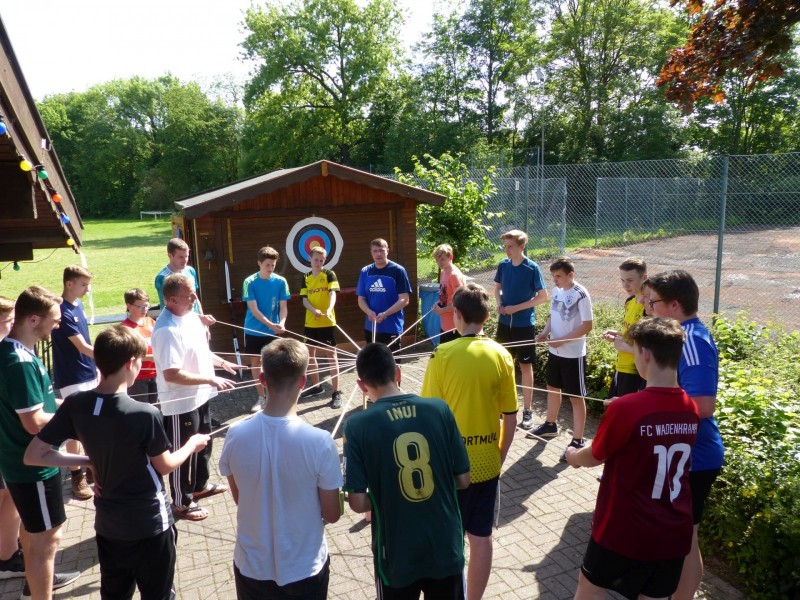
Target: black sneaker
<point>545,430</point>
<point>573,444</point>
<point>13,567</point>
<point>527,419</point>
<point>59,580</point>
<point>312,391</point>
<point>336,399</point>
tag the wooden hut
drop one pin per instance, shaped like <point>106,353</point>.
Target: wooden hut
<point>37,209</point>
<point>291,209</point>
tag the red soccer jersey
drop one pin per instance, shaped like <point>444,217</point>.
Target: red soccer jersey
<point>148,370</point>
<point>644,505</point>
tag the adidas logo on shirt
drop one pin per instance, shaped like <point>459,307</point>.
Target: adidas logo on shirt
<point>377,287</point>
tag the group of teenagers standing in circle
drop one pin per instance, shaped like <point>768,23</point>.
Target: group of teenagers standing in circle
<point>425,466</point>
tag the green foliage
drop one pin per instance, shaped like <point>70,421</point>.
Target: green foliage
<point>321,65</point>
<point>460,221</point>
<point>753,514</point>
<point>135,144</point>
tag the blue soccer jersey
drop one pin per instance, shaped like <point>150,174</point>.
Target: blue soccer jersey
<point>268,294</point>
<point>382,288</point>
<point>698,374</point>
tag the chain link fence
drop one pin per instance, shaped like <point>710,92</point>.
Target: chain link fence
<point>733,222</point>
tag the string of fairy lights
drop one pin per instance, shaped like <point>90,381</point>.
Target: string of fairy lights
<point>39,173</point>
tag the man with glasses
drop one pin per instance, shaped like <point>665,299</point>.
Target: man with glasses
<point>137,302</point>
<point>186,382</point>
<point>27,403</point>
<point>675,294</point>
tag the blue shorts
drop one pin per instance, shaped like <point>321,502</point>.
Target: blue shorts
<point>477,507</point>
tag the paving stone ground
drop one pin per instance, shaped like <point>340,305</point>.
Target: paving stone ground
<point>543,527</point>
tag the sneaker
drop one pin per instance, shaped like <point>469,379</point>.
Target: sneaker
<point>573,444</point>
<point>527,419</point>
<point>13,567</point>
<point>336,399</point>
<point>258,405</point>
<point>545,430</point>
<point>81,489</point>
<point>59,580</point>
<point>312,391</point>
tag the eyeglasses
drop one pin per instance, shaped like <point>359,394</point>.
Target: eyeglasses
<point>652,303</point>
<point>141,306</point>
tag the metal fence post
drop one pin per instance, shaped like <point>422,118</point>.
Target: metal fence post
<point>723,200</point>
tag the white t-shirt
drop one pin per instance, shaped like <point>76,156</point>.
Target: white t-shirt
<point>278,464</point>
<point>181,343</point>
<point>568,309</point>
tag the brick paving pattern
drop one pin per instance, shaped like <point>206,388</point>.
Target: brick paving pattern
<point>543,526</point>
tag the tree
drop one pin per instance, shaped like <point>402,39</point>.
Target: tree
<point>728,35</point>
<point>602,59</point>
<point>132,144</point>
<point>460,222</point>
<point>321,63</point>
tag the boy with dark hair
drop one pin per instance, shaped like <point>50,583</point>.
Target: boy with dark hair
<point>570,320</point>
<point>383,292</point>
<point>475,377</point>
<point>267,297</point>
<point>319,297</point>
<point>129,452</point>
<point>137,303</point>
<point>27,403</point>
<point>285,477</point>
<point>519,287</point>
<point>73,357</point>
<point>675,294</point>
<point>626,379</point>
<point>450,279</point>
<point>645,440</point>
<point>404,458</point>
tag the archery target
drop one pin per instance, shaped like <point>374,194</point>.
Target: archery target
<point>311,232</point>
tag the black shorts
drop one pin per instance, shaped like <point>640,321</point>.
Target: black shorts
<point>253,344</point>
<point>446,588</point>
<point>524,354</point>
<point>567,374</point>
<point>477,507</point>
<point>40,505</point>
<point>144,390</point>
<point>386,339</point>
<point>631,578</point>
<point>320,334</point>
<point>147,564</point>
<point>625,383</point>
<point>701,482</point>
<point>310,588</point>
<point>448,337</point>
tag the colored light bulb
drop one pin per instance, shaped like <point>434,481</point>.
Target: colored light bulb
<point>25,165</point>
<point>57,198</point>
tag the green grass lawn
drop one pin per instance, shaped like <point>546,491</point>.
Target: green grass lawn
<point>120,254</point>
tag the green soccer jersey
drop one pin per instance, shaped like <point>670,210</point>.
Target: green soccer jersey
<point>24,387</point>
<point>405,452</point>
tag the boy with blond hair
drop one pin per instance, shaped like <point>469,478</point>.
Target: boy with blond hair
<point>626,379</point>
<point>570,320</point>
<point>319,297</point>
<point>519,287</point>
<point>450,279</point>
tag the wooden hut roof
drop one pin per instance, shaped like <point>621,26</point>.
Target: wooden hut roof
<point>226,196</point>
<point>29,218</point>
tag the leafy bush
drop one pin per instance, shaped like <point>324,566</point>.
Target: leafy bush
<point>752,517</point>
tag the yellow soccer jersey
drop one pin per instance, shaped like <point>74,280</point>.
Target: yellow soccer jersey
<point>317,290</point>
<point>475,376</point>
<point>633,312</point>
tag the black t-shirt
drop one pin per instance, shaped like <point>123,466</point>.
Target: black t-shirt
<point>119,435</point>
